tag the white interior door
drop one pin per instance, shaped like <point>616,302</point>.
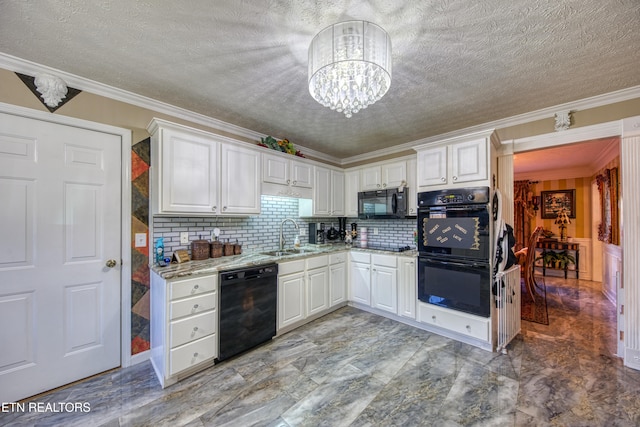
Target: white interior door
<point>60,223</point>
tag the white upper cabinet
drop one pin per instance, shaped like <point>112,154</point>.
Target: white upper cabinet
<point>200,173</point>
<point>240,180</point>
<point>388,175</point>
<point>328,194</point>
<point>286,177</point>
<point>457,162</point>
<point>352,186</point>
<point>185,170</point>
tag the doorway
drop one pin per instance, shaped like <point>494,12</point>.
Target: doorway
<point>61,272</point>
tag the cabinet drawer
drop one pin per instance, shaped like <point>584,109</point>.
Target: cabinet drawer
<point>337,258</point>
<point>192,287</point>
<point>193,305</point>
<point>192,354</point>
<point>291,267</point>
<point>192,328</point>
<point>390,261</point>
<point>462,323</point>
<point>361,257</point>
<point>317,262</point>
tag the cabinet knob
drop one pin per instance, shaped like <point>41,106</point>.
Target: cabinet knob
<point>196,286</point>
<point>295,182</point>
<point>384,185</point>
<point>195,354</point>
<point>195,329</point>
<point>195,306</point>
<point>433,318</point>
<point>443,179</point>
<point>455,178</point>
<point>378,185</point>
<point>224,208</point>
<point>288,181</point>
<point>214,208</point>
<point>469,328</point>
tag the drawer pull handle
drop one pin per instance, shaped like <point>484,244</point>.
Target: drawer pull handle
<point>196,286</point>
<point>434,318</point>
<point>195,329</point>
<point>468,328</point>
<point>195,306</point>
<point>195,354</point>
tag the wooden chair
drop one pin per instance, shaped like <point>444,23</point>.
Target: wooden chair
<point>529,279</point>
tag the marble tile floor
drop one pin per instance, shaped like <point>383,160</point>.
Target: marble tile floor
<point>353,368</point>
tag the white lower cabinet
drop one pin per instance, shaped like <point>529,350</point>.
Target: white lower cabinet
<point>360,278</point>
<point>384,283</point>
<point>291,293</point>
<point>407,287</point>
<point>184,326</point>
<point>455,321</point>
<point>337,279</point>
<point>317,285</point>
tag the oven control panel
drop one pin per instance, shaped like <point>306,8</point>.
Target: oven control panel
<point>454,197</point>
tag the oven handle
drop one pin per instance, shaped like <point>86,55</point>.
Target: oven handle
<point>454,263</point>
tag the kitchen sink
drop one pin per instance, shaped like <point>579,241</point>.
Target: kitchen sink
<point>287,252</point>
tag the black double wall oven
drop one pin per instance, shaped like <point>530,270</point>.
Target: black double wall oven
<point>454,248</point>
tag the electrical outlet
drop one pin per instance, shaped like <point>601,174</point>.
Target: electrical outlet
<point>184,237</point>
<point>303,231</point>
<point>375,231</point>
<point>141,240</point>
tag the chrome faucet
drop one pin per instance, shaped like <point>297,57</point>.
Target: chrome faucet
<point>282,241</point>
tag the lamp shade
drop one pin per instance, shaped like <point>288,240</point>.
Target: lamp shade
<point>350,66</point>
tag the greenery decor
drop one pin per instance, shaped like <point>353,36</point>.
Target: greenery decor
<point>283,145</point>
<point>557,259</point>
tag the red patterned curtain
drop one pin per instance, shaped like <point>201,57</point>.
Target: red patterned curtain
<point>523,213</point>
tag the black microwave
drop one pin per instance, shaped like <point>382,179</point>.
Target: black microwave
<point>382,204</point>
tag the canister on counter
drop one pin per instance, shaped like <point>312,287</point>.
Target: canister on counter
<point>199,250</point>
<point>229,248</point>
<point>237,248</point>
<point>216,249</point>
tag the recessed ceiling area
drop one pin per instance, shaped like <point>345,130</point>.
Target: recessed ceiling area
<point>456,64</point>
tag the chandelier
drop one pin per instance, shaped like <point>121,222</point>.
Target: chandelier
<point>350,66</point>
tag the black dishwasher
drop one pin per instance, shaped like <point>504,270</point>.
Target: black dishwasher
<point>248,304</point>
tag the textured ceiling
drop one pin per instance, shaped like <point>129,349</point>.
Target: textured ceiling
<point>456,63</point>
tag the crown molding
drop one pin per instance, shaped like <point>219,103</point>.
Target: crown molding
<point>602,130</point>
<point>23,66</point>
<point>545,113</point>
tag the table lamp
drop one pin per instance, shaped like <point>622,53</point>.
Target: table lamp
<point>562,220</point>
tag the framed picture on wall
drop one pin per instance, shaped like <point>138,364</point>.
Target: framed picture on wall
<point>554,201</point>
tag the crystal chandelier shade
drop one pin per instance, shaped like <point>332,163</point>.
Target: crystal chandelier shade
<point>350,66</point>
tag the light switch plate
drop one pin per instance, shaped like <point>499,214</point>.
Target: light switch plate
<point>141,240</point>
<point>184,237</point>
<point>375,231</point>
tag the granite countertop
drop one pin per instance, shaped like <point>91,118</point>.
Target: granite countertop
<point>250,259</point>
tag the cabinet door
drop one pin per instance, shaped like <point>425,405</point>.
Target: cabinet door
<point>469,161</point>
<point>371,178</point>
<point>291,298</point>
<point>337,284</point>
<point>321,192</point>
<point>407,288</point>
<point>360,283</point>
<point>317,290</point>
<point>384,288</point>
<point>240,180</point>
<point>189,173</point>
<point>337,193</point>
<point>301,174</point>
<point>394,174</point>
<point>352,186</point>
<point>275,169</point>
<point>432,166</point>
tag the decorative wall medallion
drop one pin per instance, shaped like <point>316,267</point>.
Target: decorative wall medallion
<point>51,90</point>
<point>563,120</point>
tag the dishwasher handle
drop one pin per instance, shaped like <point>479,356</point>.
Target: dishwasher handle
<point>248,274</point>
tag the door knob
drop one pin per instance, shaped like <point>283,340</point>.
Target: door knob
<point>111,263</point>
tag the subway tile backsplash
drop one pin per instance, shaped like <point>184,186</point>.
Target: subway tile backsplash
<point>260,233</point>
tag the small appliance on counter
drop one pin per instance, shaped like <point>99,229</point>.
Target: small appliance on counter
<point>342,227</point>
<point>316,233</point>
<point>332,234</point>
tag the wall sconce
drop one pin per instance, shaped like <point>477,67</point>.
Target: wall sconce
<point>535,203</point>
